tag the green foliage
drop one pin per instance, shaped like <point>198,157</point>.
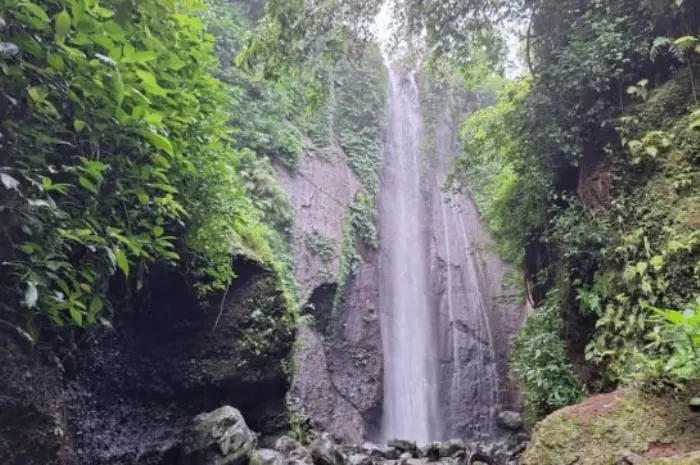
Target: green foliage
<point>540,362</point>
<point>507,188</point>
<point>573,173</point>
<point>360,105</point>
<point>263,113</point>
<point>321,245</point>
<point>117,152</point>
<point>301,429</point>
<point>676,340</point>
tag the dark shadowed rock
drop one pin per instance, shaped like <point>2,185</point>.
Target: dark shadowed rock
<point>220,437</point>
<point>509,420</point>
<point>452,448</point>
<point>33,423</point>
<point>403,445</point>
<point>325,452</point>
<point>431,452</point>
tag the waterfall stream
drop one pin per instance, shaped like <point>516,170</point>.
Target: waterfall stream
<point>445,349</point>
<point>408,321</point>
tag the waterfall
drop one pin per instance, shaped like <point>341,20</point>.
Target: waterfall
<point>408,318</point>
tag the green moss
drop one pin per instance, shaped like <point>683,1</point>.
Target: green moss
<point>594,432</point>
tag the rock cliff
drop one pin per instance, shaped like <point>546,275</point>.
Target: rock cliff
<point>338,362</point>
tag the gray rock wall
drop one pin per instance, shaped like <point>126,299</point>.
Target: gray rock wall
<point>479,312</point>
<point>338,363</point>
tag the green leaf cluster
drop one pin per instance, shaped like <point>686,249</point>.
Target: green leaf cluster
<point>541,364</point>
<point>119,149</point>
<point>585,170</point>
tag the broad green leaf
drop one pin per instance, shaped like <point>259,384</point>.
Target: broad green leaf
<point>147,77</point>
<point>76,315</point>
<point>158,231</point>
<point>103,12</point>
<point>36,11</point>
<point>117,87</point>
<point>673,316</point>
<point>96,305</point>
<point>87,184</point>
<point>62,25</point>
<point>143,57</point>
<point>642,267</point>
<point>34,94</point>
<point>159,141</point>
<point>115,31</point>
<point>56,62</point>
<point>79,125</point>
<point>122,261</point>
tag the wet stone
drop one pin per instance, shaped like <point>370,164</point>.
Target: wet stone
<point>452,448</point>
<point>403,445</point>
<point>432,452</point>
<point>285,444</point>
<point>509,420</point>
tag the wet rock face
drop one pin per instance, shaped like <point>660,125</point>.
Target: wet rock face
<point>478,311</point>
<point>128,395</point>
<point>338,361</point>
<point>33,424</point>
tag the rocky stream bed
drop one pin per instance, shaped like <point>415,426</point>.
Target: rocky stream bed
<point>222,437</point>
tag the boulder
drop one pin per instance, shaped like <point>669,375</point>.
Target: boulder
<point>598,429</point>
<point>432,451</point>
<point>325,452</point>
<point>380,452</point>
<point>285,445</point>
<point>220,437</point>
<point>452,448</point>
<point>510,420</point>
<point>403,445</point>
<point>266,457</point>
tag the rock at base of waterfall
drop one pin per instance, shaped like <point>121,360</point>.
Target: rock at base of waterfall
<point>452,448</point>
<point>510,420</point>
<point>380,452</point>
<point>285,444</point>
<point>360,459</point>
<point>266,457</point>
<point>403,445</point>
<point>325,452</point>
<point>431,452</point>
<point>220,437</point>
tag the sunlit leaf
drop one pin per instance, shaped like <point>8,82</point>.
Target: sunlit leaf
<point>122,261</point>
<point>63,22</point>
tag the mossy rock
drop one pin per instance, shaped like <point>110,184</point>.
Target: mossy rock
<point>595,431</point>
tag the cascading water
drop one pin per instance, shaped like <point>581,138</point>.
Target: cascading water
<point>408,321</point>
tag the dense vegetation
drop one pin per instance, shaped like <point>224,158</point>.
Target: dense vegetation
<point>121,149</point>
<point>585,173</point>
